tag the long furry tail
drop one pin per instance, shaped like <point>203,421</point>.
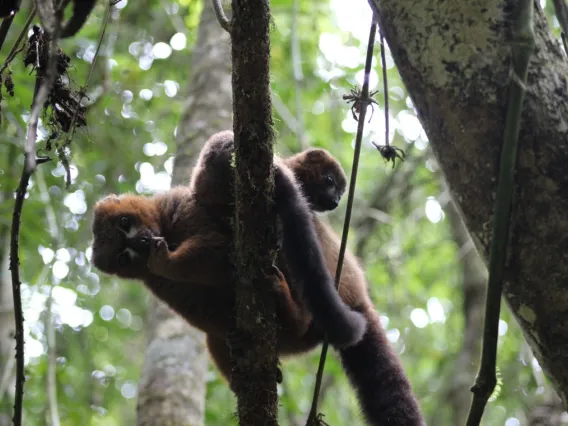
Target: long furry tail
<point>344,327</point>
<point>376,373</point>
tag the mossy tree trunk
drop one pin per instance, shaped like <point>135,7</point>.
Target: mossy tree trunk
<point>454,59</point>
<point>253,350</point>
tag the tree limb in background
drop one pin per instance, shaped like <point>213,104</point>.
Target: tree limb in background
<point>171,340</point>
<point>44,83</point>
<point>562,16</point>
<point>253,345</point>
<point>523,42</point>
<point>221,17</point>
<point>50,336</point>
<point>82,92</point>
<point>397,182</point>
<point>473,279</point>
<point>296,53</point>
<point>314,417</point>
<point>291,122</point>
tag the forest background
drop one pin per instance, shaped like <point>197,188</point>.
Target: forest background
<point>87,334</point>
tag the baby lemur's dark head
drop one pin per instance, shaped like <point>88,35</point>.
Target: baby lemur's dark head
<point>321,176</point>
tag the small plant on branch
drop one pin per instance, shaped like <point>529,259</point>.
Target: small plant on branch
<point>390,153</point>
<point>359,101</point>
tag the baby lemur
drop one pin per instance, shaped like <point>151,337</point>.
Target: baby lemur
<point>178,244</point>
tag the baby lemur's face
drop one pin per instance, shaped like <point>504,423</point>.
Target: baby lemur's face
<point>123,228</point>
<point>323,180</point>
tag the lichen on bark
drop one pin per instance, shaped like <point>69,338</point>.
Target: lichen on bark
<point>253,348</point>
<point>454,59</point>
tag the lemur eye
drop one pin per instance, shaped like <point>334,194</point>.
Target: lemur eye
<point>124,223</point>
<point>123,258</point>
<point>329,180</point>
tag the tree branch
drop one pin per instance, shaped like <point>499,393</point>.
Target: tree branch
<point>43,86</point>
<point>221,17</point>
<point>314,416</point>
<point>253,345</point>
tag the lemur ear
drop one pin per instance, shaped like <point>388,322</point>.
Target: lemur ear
<point>111,197</point>
<point>314,154</point>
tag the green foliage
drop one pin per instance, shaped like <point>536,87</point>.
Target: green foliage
<point>410,258</point>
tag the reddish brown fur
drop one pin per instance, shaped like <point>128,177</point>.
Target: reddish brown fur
<point>197,281</point>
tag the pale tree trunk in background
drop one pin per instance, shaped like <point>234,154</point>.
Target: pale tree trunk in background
<point>474,278</point>
<point>172,384</point>
<point>548,413</point>
<point>7,326</point>
<point>454,59</point>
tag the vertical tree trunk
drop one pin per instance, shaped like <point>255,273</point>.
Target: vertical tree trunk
<point>253,353</point>
<point>172,384</point>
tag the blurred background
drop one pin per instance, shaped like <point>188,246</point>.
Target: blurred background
<point>86,333</point>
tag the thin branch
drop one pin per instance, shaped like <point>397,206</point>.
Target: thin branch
<point>313,417</point>
<point>49,17</point>
<point>54,231</point>
<point>175,19</point>
<point>296,53</point>
<point>562,16</point>
<point>51,382</point>
<point>290,121</point>
<point>43,86</point>
<point>5,27</point>
<point>7,376</point>
<point>221,17</point>
<point>522,48</point>
<point>385,86</point>
<point>15,48</point>
<point>83,90</point>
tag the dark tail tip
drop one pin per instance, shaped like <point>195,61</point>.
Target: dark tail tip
<point>384,392</point>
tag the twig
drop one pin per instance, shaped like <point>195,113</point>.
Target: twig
<point>296,53</point>
<point>7,376</point>
<point>82,92</point>
<point>313,416</point>
<point>43,86</point>
<point>385,86</point>
<point>5,27</point>
<point>290,121</point>
<point>15,48</point>
<point>51,382</point>
<point>175,19</point>
<point>54,232</point>
<point>221,17</point>
<point>523,42</point>
<point>562,16</point>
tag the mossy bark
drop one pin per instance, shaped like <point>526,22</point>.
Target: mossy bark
<point>253,350</point>
<point>454,59</point>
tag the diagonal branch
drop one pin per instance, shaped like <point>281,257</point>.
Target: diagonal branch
<point>314,417</point>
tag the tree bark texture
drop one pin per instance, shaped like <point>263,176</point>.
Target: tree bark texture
<point>172,386</point>
<point>454,60</point>
<point>253,353</point>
